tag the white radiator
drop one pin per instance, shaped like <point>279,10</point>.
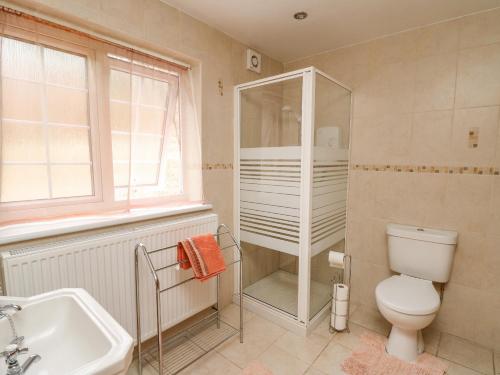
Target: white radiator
<point>103,264</point>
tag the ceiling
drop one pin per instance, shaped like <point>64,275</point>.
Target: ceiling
<point>269,26</point>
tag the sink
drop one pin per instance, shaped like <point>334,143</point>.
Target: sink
<point>72,333</point>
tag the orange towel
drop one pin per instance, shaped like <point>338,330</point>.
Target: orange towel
<point>202,254</point>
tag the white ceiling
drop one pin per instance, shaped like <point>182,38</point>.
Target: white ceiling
<point>269,27</point>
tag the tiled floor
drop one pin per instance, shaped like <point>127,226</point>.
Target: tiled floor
<point>322,353</point>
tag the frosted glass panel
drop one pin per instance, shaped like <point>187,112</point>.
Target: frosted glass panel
<point>42,86</point>
<point>120,174</point>
<point>24,182</point>
<point>144,174</point>
<point>119,85</point>
<point>151,120</point>
<point>146,148</point>
<point>69,144</point>
<point>21,60</point>
<point>65,69</point>
<point>21,100</point>
<point>121,147</point>
<point>67,106</point>
<point>71,180</point>
<point>120,116</point>
<point>23,143</point>
<point>149,91</point>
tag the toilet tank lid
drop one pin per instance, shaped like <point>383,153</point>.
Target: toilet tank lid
<point>446,237</point>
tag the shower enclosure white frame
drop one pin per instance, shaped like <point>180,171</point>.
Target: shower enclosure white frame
<point>302,324</point>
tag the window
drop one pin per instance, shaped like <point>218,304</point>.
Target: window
<point>45,139</point>
<point>144,113</point>
<point>90,126</point>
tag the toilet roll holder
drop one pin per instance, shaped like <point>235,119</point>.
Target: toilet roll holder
<point>345,279</point>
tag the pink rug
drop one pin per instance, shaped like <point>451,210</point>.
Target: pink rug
<point>372,359</point>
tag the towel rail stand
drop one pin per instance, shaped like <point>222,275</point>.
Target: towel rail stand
<point>141,249</point>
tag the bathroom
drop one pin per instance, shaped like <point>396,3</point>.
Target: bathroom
<point>408,96</point>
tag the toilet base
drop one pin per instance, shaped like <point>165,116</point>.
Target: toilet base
<point>405,344</point>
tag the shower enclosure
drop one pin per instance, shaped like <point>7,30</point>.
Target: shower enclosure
<point>291,163</point>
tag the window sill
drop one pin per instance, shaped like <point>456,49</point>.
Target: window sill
<point>30,231</point>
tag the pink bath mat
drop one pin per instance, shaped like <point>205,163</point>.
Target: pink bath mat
<point>371,359</point>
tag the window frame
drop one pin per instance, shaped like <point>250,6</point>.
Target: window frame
<point>33,208</point>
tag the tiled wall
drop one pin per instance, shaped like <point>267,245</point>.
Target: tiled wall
<point>155,25</point>
<point>426,151</point>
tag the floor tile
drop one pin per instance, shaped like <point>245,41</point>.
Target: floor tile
<point>431,340</point>
<point>146,370</point>
<point>372,320</point>
<point>212,363</point>
<point>350,339</point>
<point>331,358</point>
<point>306,349</point>
<point>465,353</point>
<point>455,369</point>
<point>231,315</point>
<point>313,371</point>
<point>282,363</point>
<point>259,335</point>
<point>323,328</point>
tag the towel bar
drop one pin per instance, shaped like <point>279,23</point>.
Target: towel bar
<point>189,339</point>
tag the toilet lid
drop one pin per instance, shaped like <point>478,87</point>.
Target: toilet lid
<point>408,295</point>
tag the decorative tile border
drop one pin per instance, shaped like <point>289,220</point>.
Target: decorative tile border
<point>214,166</point>
<point>427,169</point>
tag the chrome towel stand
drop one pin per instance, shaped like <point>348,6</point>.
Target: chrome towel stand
<point>140,248</point>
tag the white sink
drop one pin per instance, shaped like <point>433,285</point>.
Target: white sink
<point>72,333</point>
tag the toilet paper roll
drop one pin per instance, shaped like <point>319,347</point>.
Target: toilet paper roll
<point>340,292</point>
<point>336,259</point>
<point>338,322</point>
<point>340,307</point>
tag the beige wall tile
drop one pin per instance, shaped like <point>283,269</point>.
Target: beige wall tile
<point>480,29</point>
<point>437,39</point>
<point>478,81</point>
<point>435,82</point>
<point>431,138</point>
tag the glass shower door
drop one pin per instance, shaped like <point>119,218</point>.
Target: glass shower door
<point>270,173</point>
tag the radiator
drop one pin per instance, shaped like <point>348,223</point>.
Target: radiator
<point>103,264</point>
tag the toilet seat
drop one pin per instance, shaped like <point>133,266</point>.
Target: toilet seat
<point>408,295</point>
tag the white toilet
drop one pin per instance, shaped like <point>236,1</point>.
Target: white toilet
<point>409,301</point>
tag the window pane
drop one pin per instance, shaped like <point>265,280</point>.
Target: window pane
<point>119,85</point>
<point>71,180</point>
<point>144,174</point>
<point>24,182</point>
<point>67,106</point>
<point>151,120</point>
<point>21,60</point>
<point>120,174</point>
<point>146,148</point>
<point>149,91</point>
<point>68,144</point>
<point>21,100</point>
<point>120,116</point>
<point>65,69</point>
<point>120,147</point>
<point>23,142</point>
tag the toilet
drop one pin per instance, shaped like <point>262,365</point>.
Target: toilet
<point>409,300</point>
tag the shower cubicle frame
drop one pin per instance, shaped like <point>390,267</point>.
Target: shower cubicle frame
<point>301,324</point>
